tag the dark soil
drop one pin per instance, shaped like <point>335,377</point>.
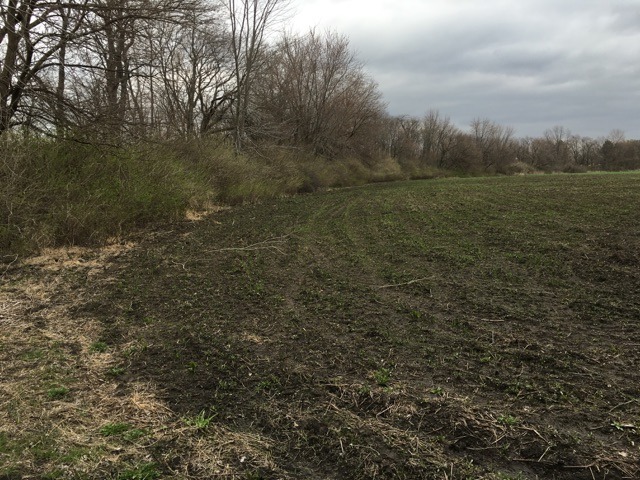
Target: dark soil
<point>470,328</point>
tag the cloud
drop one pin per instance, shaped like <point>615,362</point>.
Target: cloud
<point>531,64</point>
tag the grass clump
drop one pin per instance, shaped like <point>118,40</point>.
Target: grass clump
<point>116,371</point>
<point>57,393</point>
<point>200,421</point>
<point>382,376</point>
<point>122,430</point>
<point>144,471</point>
<point>508,420</point>
<point>111,429</point>
<point>98,347</point>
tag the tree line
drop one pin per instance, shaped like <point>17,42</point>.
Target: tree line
<point>487,147</point>
<point>121,71</point>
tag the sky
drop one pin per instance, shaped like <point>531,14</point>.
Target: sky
<point>528,64</point>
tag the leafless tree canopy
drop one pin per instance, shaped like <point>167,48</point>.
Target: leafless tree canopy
<point>314,93</point>
<point>130,67</point>
<point>121,70</point>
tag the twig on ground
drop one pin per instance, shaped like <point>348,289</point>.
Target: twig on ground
<point>392,285</point>
<point>267,244</point>
<point>537,433</point>
<point>544,453</point>
<point>633,400</point>
<point>15,259</point>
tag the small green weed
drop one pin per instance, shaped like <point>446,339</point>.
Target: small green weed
<point>57,393</point>
<point>382,376</point>
<point>130,351</point>
<point>192,366</point>
<point>111,429</point>
<point>201,421</point>
<point>98,347</point>
<point>631,427</point>
<point>145,471</point>
<point>508,420</point>
<point>364,390</point>
<point>123,430</point>
<point>115,371</point>
<point>226,384</point>
<point>269,383</point>
<point>134,434</point>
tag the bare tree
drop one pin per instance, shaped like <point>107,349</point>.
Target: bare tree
<point>495,143</point>
<point>402,138</point>
<point>78,62</point>
<point>557,138</point>
<point>249,22</point>
<point>588,154</point>
<point>33,35</point>
<point>315,92</point>
<point>464,154</point>
<point>195,73</point>
<point>616,136</point>
<point>118,56</point>
<point>438,139</point>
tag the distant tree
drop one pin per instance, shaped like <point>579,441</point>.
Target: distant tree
<point>620,154</point>
<point>314,93</point>
<point>465,154</point>
<point>558,153</point>
<point>536,152</point>
<point>588,153</point>
<point>439,136</point>
<point>402,138</point>
<point>495,143</point>
<point>616,136</point>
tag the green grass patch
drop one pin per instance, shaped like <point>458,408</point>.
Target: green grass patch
<point>98,347</point>
<point>112,429</point>
<point>57,393</point>
<point>144,471</point>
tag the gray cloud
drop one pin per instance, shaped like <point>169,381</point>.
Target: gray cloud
<point>531,64</point>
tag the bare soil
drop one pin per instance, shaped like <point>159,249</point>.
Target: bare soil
<point>456,328</point>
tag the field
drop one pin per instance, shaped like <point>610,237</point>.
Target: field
<point>442,329</point>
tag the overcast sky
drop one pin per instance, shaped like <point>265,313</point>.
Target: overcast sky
<point>529,64</point>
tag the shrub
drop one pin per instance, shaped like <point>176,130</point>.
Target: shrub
<point>518,168</point>
<point>58,193</point>
<point>574,168</point>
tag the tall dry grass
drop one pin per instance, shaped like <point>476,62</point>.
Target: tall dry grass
<point>56,193</point>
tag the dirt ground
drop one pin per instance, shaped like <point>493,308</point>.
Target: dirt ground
<point>451,329</point>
